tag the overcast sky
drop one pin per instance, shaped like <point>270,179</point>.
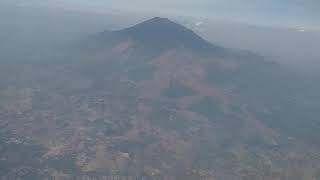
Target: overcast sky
<point>296,13</point>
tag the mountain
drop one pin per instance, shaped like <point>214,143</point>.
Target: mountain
<point>163,33</point>
<point>157,101</point>
<point>158,33</point>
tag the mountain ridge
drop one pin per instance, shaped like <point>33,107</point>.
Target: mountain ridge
<point>161,33</point>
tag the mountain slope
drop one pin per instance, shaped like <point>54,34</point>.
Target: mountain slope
<point>156,101</point>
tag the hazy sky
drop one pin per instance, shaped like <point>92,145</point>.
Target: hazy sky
<point>297,13</point>
<point>292,12</point>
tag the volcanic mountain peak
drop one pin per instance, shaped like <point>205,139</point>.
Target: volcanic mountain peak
<point>164,33</point>
<point>161,24</point>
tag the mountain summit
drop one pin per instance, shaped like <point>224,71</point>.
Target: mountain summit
<point>163,33</point>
